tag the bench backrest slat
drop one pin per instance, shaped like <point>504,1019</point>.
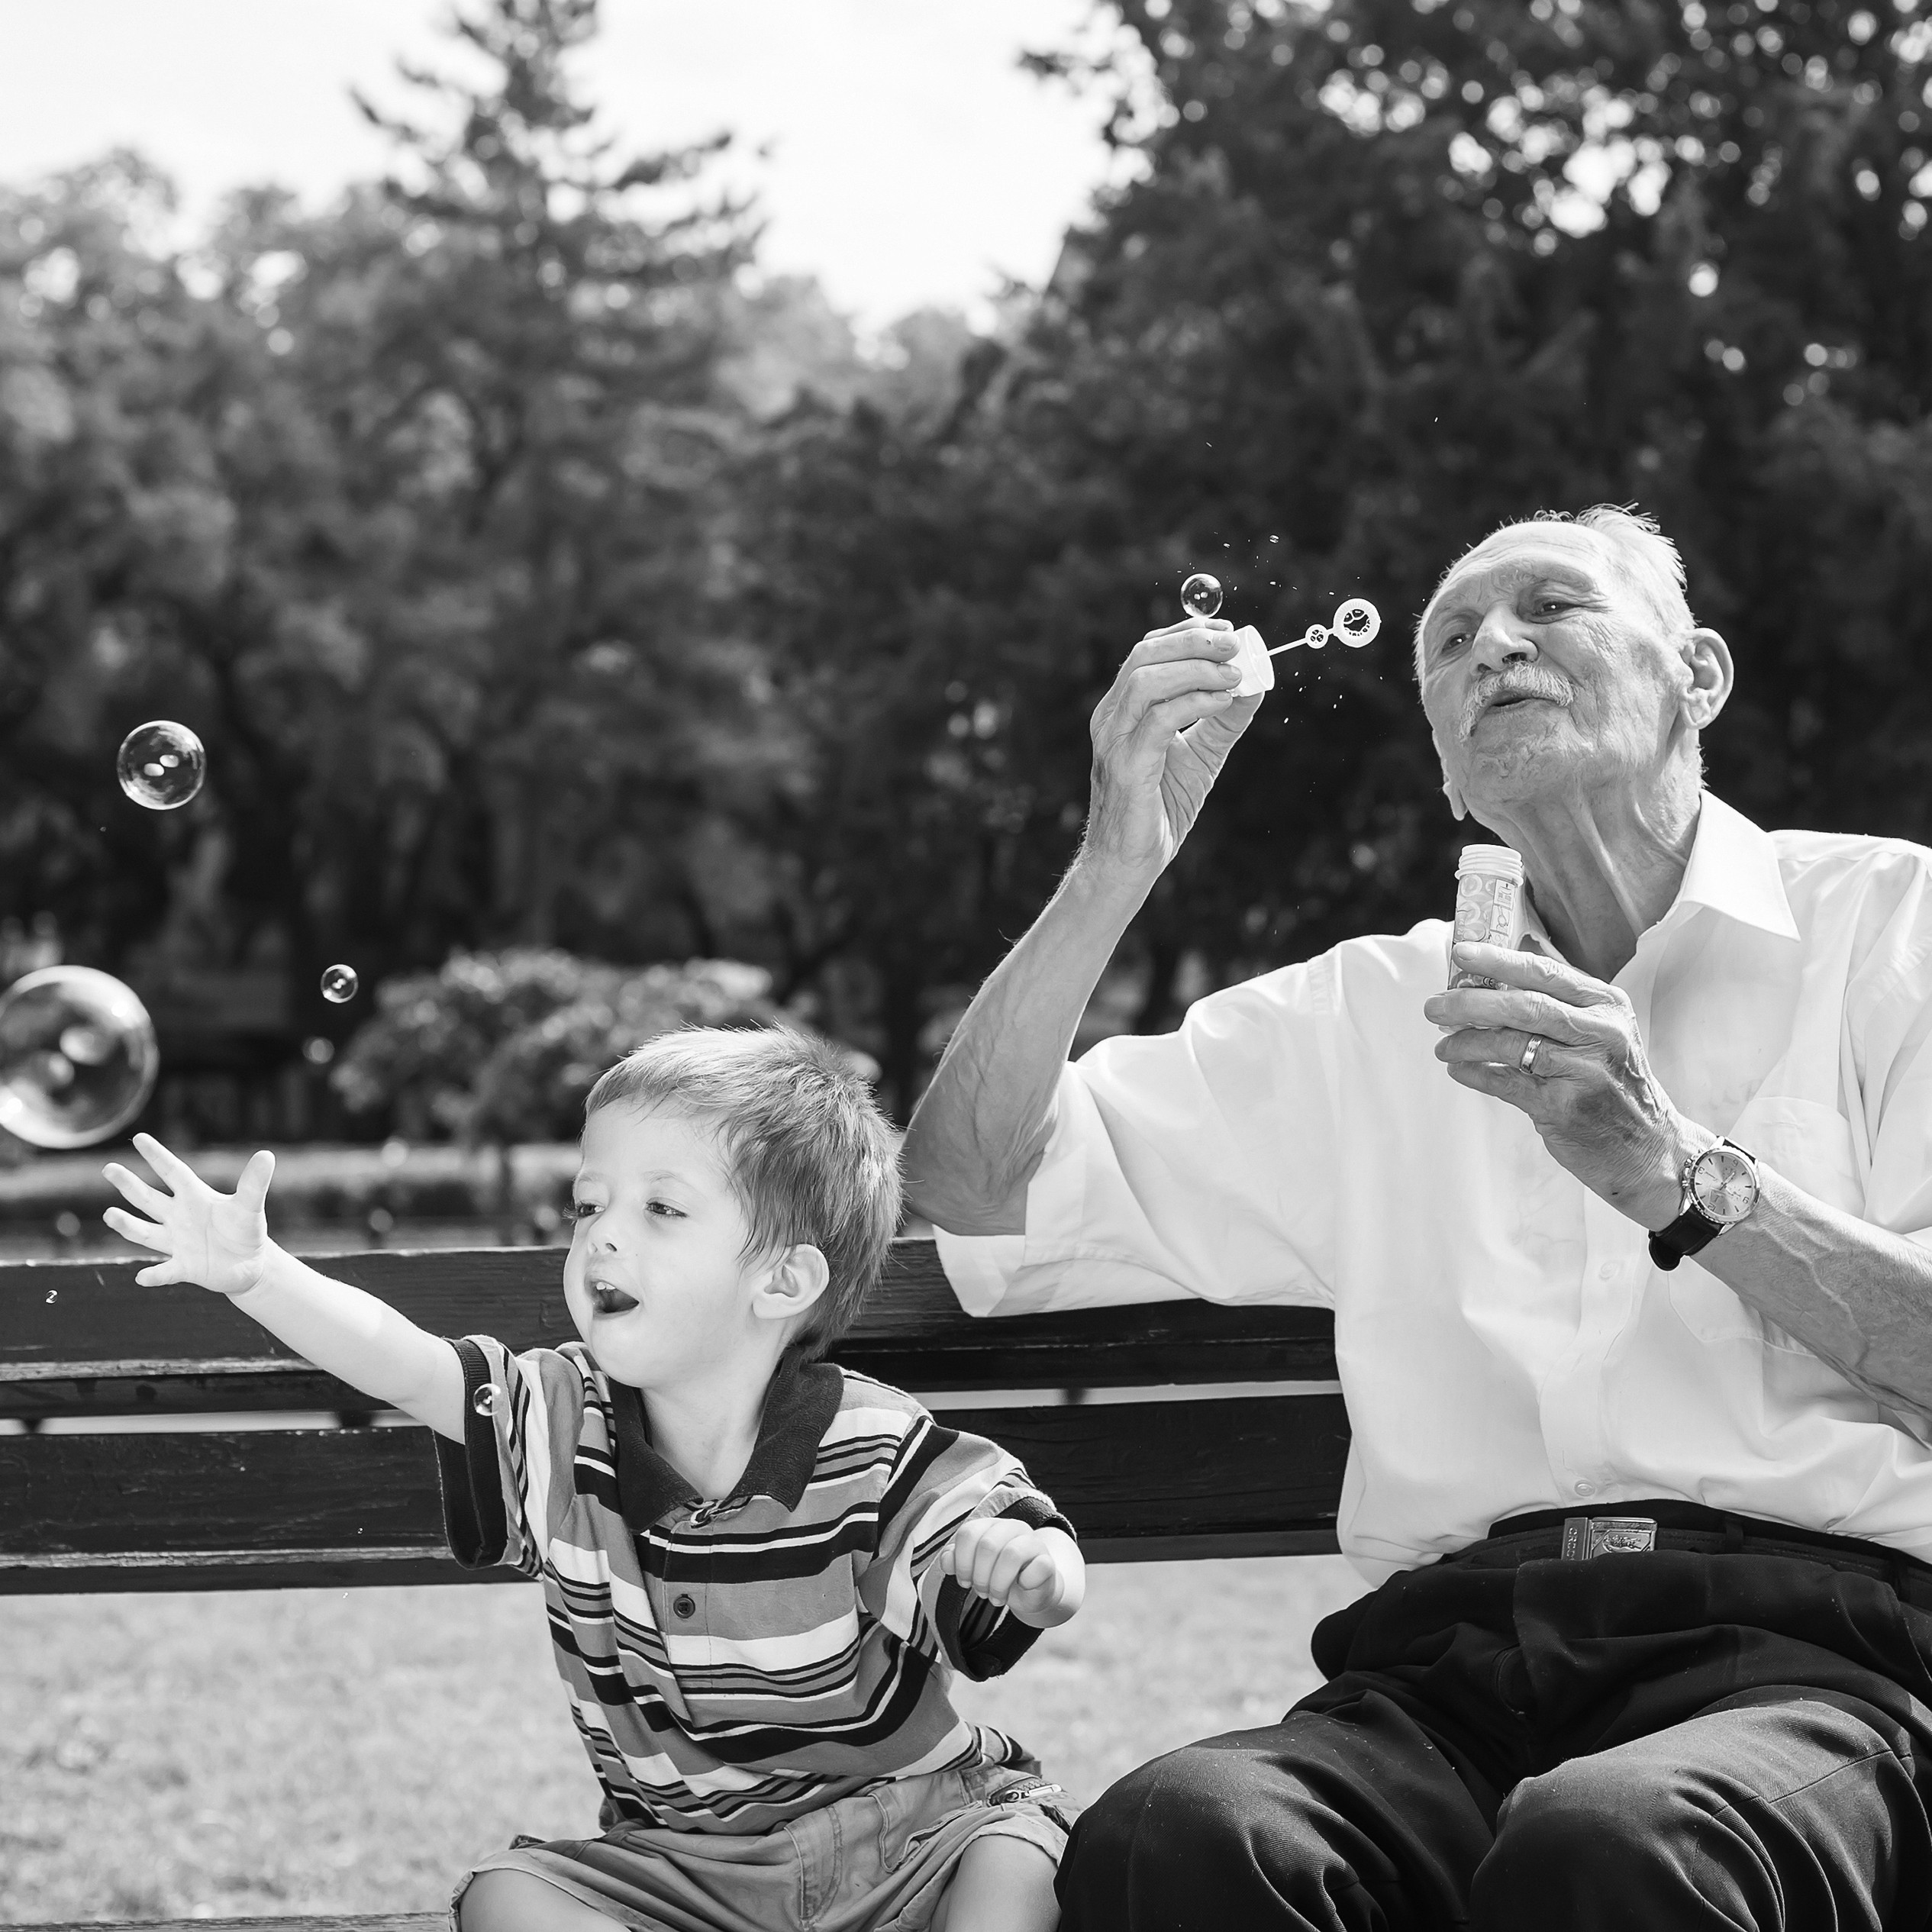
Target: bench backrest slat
<point>103,1345</point>
<point>1245,1474</point>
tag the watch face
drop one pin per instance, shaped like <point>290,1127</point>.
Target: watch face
<point>1724,1185</point>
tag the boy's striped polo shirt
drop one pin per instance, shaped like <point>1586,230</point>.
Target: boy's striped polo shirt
<point>732,1664</point>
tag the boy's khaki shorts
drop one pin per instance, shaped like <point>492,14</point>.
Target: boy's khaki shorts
<point>877,1861</point>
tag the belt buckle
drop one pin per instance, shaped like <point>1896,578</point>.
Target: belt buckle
<point>1585,1537</point>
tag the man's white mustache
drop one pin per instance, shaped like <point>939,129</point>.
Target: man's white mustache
<point>1532,681</point>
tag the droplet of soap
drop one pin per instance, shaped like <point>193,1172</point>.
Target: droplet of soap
<point>160,765</point>
<point>1200,594</point>
<point>340,984</point>
<point>53,1295</point>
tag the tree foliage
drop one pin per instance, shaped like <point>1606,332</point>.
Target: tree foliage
<point>536,579</point>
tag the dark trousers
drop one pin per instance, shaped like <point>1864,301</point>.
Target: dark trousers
<point>1654,1741</point>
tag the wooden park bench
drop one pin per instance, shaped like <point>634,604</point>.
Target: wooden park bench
<point>1164,1430</point>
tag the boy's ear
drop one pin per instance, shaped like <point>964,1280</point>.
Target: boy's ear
<point>796,1278</point>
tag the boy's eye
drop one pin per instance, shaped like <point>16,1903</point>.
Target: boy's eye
<point>581,1210</point>
<point>665,1208</point>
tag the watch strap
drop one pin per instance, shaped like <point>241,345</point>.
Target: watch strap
<point>1693,1229</point>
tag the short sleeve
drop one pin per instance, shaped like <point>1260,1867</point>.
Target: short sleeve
<point>513,1478</point>
<point>944,1478</point>
<point>1203,1162</point>
<point>1889,1016</point>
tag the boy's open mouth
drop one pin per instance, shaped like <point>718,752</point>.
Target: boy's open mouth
<point>607,1300</point>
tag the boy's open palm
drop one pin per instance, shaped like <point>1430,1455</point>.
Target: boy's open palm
<point>219,1240</point>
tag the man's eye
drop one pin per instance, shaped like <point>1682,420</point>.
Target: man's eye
<point>1551,606</point>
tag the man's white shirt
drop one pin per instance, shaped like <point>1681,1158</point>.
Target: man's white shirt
<point>1504,1343</point>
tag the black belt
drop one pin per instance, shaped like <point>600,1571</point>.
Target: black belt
<point>1627,1529</point>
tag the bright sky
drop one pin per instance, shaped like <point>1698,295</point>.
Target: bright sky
<point>911,161</point>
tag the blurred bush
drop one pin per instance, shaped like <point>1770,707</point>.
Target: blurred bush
<point>503,1047</point>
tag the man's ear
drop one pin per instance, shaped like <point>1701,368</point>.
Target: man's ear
<point>794,1279</point>
<point>1707,657</point>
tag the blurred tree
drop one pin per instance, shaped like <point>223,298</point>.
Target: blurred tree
<point>407,508</point>
<point>1390,273</point>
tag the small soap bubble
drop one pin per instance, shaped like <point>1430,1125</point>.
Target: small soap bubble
<point>340,984</point>
<point>1357,622</point>
<point>486,1399</point>
<point>318,1051</point>
<point>160,765</point>
<point>1315,636</point>
<point>1200,594</point>
<point>77,1057</point>
<point>53,1295</point>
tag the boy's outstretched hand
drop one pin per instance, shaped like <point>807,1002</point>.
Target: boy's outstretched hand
<point>1038,1575</point>
<point>221,1240</point>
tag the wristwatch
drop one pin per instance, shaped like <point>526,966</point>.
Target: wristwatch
<point>1720,1188</point>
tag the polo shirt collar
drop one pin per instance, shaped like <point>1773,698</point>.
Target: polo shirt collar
<point>1733,869</point>
<point>799,1406</point>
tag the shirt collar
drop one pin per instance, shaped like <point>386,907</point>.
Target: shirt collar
<point>1733,869</point>
<point>799,1405</point>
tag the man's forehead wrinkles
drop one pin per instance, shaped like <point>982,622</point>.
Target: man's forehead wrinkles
<point>1503,575</point>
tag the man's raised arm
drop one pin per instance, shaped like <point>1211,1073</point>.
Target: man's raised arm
<point>1160,737</point>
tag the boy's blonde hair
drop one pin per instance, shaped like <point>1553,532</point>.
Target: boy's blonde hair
<point>810,1155</point>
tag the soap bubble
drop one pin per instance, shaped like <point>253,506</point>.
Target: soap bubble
<point>340,984</point>
<point>1315,636</point>
<point>53,1295</point>
<point>318,1051</point>
<point>77,1056</point>
<point>486,1399</point>
<point>1357,622</point>
<point>161,765</point>
<point>1200,594</point>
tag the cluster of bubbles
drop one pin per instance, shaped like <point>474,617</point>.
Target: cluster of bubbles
<point>78,1058</point>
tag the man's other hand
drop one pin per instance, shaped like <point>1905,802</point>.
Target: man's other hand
<point>1588,1090</point>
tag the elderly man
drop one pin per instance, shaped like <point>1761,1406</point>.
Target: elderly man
<point>1630,1260</point>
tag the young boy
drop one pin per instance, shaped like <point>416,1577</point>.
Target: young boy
<point>760,1570</point>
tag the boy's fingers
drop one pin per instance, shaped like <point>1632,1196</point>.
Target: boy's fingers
<point>133,1229</point>
<point>171,1167</point>
<point>1038,1575</point>
<point>151,1201</point>
<point>252,1187</point>
<point>159,1276</point>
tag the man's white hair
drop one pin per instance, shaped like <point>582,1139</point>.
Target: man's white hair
<point>1633,546</point>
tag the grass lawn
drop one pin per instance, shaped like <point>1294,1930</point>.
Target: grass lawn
<point>311,1751</point>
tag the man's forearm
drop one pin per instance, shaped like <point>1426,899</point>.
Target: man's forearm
<point>1859,1297</point>
<point>978,1133</point>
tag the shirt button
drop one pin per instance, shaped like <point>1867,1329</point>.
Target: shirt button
<point>684,1606</point>
<point>1586,1489</point>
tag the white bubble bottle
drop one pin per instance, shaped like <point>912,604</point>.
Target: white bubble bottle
<point>1491,907</point>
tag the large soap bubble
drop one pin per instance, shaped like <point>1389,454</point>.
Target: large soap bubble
<point>77,1056</point>
<point>161,765</point>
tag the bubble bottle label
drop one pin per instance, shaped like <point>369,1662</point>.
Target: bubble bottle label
<point>1491,909</point>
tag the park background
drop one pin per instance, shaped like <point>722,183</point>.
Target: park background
<point>593,627</point>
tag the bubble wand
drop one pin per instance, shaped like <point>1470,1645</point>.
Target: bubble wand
<point>1355,622</point>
